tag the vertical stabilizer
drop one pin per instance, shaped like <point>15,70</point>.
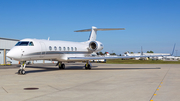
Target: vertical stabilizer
<point>173,49</point>
<point>93,34</point>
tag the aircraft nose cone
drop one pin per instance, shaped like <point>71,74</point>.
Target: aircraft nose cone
<point>13,54</point>
<point>9,54</point>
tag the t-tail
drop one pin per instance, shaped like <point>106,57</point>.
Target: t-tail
<point>94,30</point>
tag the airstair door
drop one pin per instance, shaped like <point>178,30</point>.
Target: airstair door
<point>43,49</point>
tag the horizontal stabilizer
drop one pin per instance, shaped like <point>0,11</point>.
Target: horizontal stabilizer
<point>94,30</point>
<point>100,29</point>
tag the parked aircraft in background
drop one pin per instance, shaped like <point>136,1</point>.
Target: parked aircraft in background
<point>158,56</point>
<point>61,51</point>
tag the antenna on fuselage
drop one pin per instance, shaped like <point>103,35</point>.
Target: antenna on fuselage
<point>48,38</point>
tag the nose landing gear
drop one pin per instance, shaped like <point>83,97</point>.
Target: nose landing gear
<point>21,70</point>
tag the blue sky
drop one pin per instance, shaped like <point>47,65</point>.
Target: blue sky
<point>152,24</point>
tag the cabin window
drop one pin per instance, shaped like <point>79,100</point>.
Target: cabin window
<point>31,44</point>
<point>68,48</point>
<point>50,48</point>
<point>71,48</point>
<point>55,48</point>
<point>60,48</point>
<point>64,48</point>
<point>75,49</point>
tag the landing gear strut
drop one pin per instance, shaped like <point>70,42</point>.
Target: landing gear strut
<point>21,70</point>
<point>61,65</point>
<point>88,65</point>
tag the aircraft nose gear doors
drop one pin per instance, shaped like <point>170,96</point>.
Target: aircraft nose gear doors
<point>21,70</point>
<point>88,65</point>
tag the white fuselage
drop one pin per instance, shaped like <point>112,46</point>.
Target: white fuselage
<point>48,50</point>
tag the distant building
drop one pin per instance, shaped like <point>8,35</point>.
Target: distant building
<point>171,58</point>
<point>5,45</point>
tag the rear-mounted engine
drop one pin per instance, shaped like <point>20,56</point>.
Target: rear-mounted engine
<point>95,46</point>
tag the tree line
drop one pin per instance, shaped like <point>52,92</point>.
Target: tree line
<point>101,53</point>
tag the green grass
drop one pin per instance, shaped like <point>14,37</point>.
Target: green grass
<point>119,61</point>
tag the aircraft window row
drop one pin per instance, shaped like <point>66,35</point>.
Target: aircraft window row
<point>24,43</point>
<point>64,48</point>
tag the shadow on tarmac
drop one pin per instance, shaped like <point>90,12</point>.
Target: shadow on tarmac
<point>48,69</point>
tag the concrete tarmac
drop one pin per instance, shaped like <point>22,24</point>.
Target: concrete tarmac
<point>105,82</point>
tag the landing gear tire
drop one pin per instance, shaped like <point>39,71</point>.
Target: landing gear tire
<point>87,66</point>
<point>21,71</point>
<point>62,66</point>
<point>59,67</point>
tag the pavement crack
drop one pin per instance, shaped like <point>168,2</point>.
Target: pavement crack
<point>54,88</point>
<point>5,90</point>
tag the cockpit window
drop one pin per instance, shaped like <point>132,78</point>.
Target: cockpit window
<point>31,44</point>
<point>22,43</point>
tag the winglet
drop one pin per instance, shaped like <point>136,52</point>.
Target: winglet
<point>173,49</point>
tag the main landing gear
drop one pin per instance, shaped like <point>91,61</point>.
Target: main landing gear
<point>21,70</point>
<point>61,65</point>
<point>88,65</point>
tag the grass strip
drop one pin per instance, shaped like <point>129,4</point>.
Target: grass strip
<point>120,61</point>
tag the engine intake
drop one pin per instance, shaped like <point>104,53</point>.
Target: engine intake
<point>95,46</point>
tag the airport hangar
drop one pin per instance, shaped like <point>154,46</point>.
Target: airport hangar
<point>5,45</point>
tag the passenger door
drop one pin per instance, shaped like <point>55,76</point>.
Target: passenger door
<point>43,49</point>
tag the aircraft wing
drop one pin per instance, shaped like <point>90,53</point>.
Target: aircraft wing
<point>111,57</point>
<point>116,57</point>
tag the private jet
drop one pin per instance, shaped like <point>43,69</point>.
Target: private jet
<point>61,51</point>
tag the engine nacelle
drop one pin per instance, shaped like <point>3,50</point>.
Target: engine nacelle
<point>95,46</point>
